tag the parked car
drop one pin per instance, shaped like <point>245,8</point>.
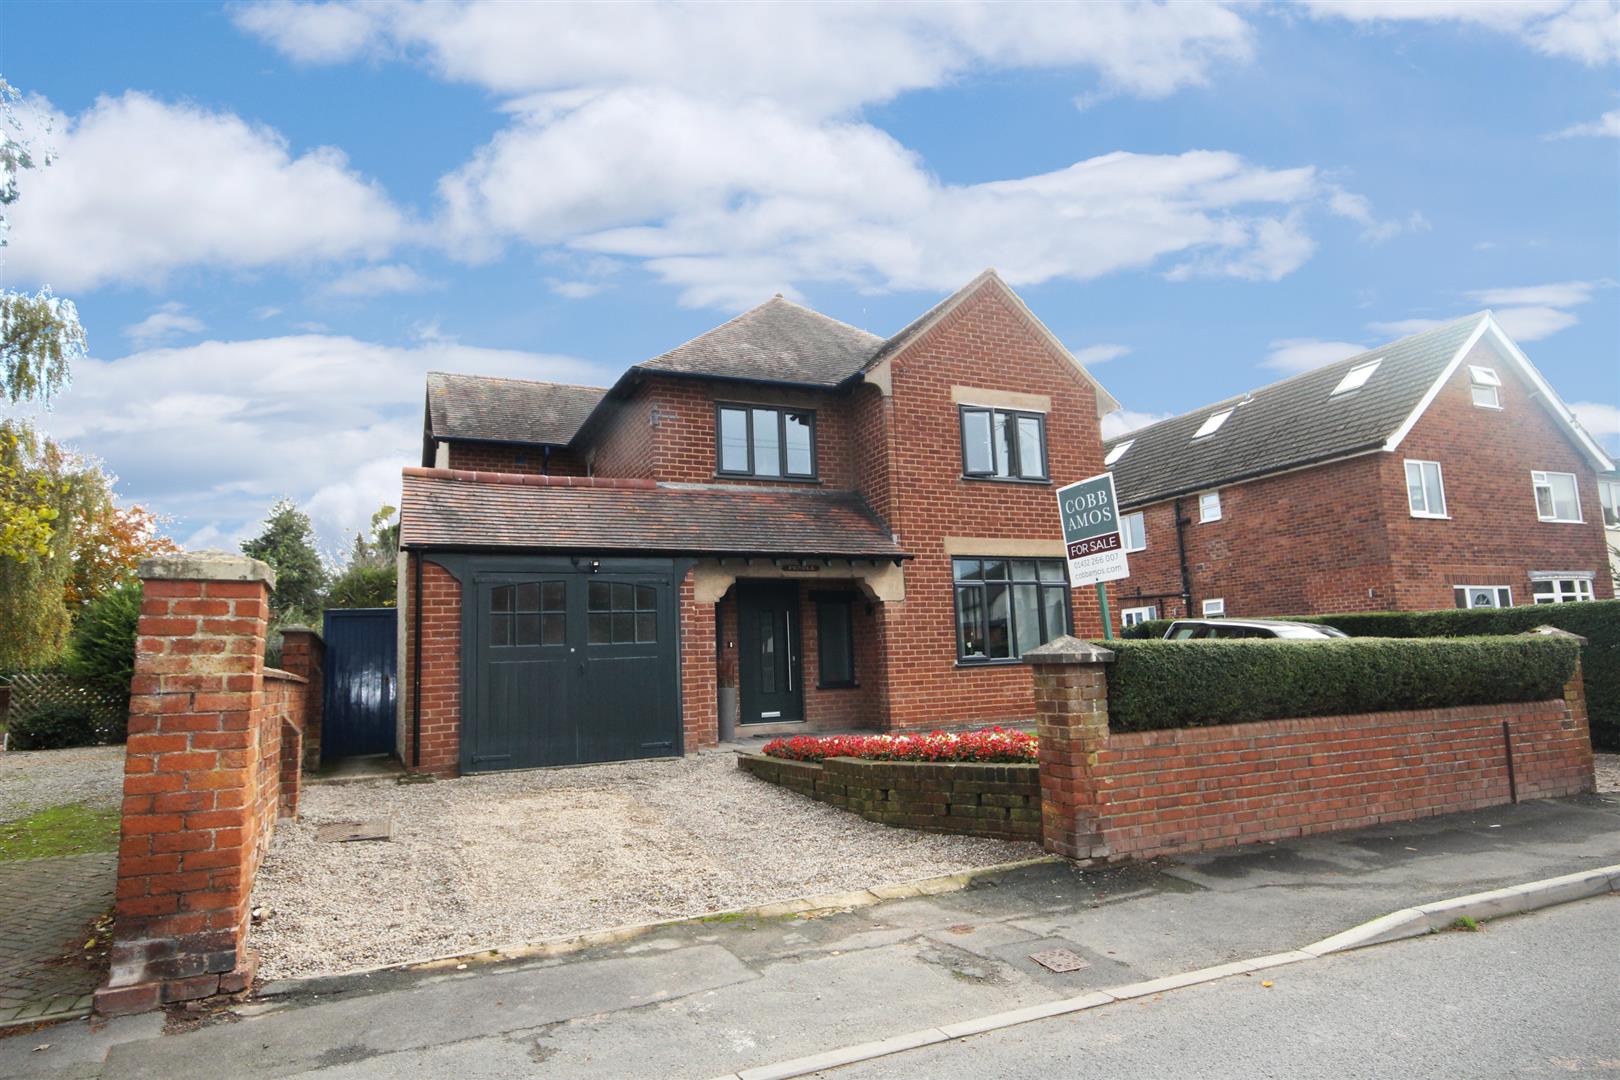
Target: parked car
<point>1226,629</point>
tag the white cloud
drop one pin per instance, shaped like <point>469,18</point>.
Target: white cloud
<point>141,188</point>
<point>1293,355</point>
<point>745,51</point>
<point>1534,322</point>
<point>379,280</point>
<point>1400,328</point>
<point>167,322</point>
<point>575,290</point>
<point>1092,355</point>
<point>1606,126</point>
<point>1583,30</point>
<point>1558,294</point>
<point>1124,421</point>
<point>1601,420</point>
<point>212,433</point>
<point>1526,312</point>
<point>1375,230</point>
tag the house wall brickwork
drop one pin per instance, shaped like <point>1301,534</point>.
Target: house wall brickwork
<point>700,715</point>
<point>440,717</point>
<point>1341,537</point>
<point>510,458</point>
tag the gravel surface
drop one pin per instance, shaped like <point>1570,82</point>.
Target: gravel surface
<point>34,779</point>
<point>506,859</point>
<point>1608,771</point>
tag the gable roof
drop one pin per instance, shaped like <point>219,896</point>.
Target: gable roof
<point>507,410</point>
<point>452,508</point>
<point>778,341</point>
<point>1300,421</point>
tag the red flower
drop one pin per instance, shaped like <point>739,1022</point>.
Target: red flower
<point>990,745</point>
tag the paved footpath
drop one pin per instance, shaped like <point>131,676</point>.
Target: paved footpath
<point>45,907</point>
<point>709,998</point>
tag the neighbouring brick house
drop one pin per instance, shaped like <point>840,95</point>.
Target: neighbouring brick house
<point>1438,470</point>
<point>861,531</point>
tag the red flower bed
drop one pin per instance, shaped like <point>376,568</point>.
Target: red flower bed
<point>988,745</point>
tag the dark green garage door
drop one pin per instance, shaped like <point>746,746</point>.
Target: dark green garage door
<point>571,665</point>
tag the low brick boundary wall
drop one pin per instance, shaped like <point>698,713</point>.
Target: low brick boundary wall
<point>1000,801</point>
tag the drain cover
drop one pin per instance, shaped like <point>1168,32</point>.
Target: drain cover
<point>1060,960</point>
<point>347,831</point>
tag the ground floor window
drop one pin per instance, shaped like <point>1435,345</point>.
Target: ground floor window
<point>835,641</point>
<point>1133,616</point>
<point>1215,609</point>
<point>1561,590</point>
<point>1005,607</point>
<point>1473,596</point>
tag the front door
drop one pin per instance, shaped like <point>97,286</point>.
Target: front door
<point>769,668</point>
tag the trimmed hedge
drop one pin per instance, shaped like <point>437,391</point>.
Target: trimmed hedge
<point>1598,621</point>
<point>1172,684</point>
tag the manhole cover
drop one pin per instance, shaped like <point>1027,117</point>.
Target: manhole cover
<point>345,831</point>
<point>1059,960</point>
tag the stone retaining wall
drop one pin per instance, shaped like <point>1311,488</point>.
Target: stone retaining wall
<point>1000,801</point>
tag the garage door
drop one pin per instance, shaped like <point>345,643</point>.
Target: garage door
<point>572,666</point>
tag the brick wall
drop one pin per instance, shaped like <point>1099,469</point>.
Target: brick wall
<point>440,718</point>
<point>212,759</point>
<point>1001,801</point>
<point>508,458</point>
<point>700,710</point>
<point>303,654</point>
<point>1141,794</point>
<point>1341,537</point>
<point>985,343</point>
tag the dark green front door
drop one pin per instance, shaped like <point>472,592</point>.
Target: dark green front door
<point>769,652</point>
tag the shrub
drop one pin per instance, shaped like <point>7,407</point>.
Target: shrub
<point>1172,684</point>
<point>56,726</point>
<point>1596,620</point>
<point>101,650</point>
<point>987,746</point>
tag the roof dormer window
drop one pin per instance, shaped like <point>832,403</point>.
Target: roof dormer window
<point>1117,452</point>
<point>1355,378</point>
<point>1212,424</point>
<point>1485,386</point>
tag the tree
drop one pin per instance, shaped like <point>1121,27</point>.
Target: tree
<point>44,490</point>
<point>369,580</point>
<point>40,335</point>
<point>109,543</point>
<point>101,649</point>
<point>287,543</point>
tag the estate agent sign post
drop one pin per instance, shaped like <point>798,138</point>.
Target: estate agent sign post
<point>1096,553</point>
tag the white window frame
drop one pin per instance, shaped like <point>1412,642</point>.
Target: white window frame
<point>1131,616</point>
<point>1141,530</point>
<point>1356,377</point>
<point>1496,590</point>
<point>1579,582</point>
<point>1428,510</point>
<point>1203,507</point>
<point>1214,609</point>
<point>1609,496</point>
<point>1212,423</point>
<point>1484,380</point>
<point>1541,478</point>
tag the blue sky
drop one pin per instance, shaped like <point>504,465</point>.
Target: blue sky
<point>275,218</point>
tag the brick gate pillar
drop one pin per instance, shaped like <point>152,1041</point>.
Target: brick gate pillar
<point>1071,718</point>
<point>194,783</point>
<point>303,653</point>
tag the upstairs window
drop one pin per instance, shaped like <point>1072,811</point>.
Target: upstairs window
<point>753,440</point>
<point>1005,607</point>
<point>1609,496</point>
<point>1003,444</point>
<point>1561,590</point>
<point>1133,530</point>
<point>1212,424</point>
<point>1135,616</point>
<point>1556,496</point>
<point>1214,609</point>
<point>1485,386</point>
<point>1355,378</point>
<point>1209,506</point>
<point>1117,452</point>
<point>1425,493</point>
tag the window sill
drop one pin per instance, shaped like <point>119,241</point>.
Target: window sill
<point>1561,521</point>
<point>1432,517</point>
<point>752,477</point>
<point>1013,662</point>
<point>1009,480</point>
<point>838,686</point>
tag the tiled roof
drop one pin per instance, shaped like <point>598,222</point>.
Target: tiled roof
<point>778,341</point>
<point>507,410</point>
<point>454,508</point>
<point>1294,422</point>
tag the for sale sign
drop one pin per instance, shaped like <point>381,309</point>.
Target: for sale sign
<point>1091,531</point>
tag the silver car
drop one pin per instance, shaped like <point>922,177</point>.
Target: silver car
<point>1227,629</point>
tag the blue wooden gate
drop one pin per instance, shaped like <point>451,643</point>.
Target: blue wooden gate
<point>361,682</point>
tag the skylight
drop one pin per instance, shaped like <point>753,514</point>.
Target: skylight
<point>1212,424</point>
<point>1118,452</point>
<point>1483,376</point>
<point>1355,378</point>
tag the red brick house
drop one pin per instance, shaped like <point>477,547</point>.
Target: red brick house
<point>1438,470</point>
<point>856,531</point>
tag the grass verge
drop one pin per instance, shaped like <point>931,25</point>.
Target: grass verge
<point>74,829</point>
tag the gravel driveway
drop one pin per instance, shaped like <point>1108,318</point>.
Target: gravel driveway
<point>511,858</point>
<point>34,779</point>
<point>1607,767</point>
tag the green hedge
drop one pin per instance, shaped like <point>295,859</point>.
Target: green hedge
<point>1174,684</point>
<point>1598,621</point>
